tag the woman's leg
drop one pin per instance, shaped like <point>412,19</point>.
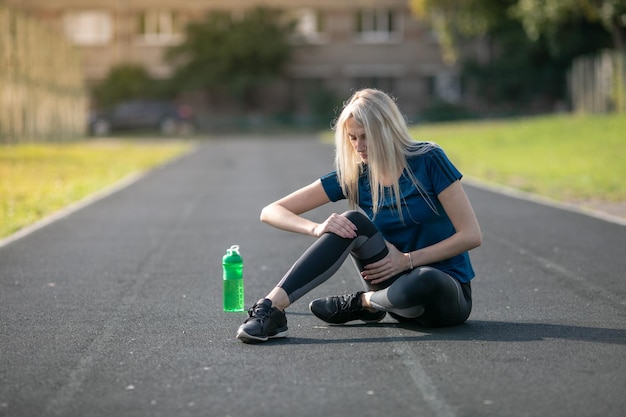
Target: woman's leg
<point>322,259</point>
<point>267,319</point>
<point>427,296</point>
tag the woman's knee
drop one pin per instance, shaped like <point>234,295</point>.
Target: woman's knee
<point>429,279</point>
<point>417,287</point>
<point>361,221</point>
<point>354,215</point>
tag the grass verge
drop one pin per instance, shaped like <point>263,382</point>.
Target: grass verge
<point>569,158</point>
<point>38,179</point>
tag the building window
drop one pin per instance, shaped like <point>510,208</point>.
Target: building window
<point>160,27</point>
<point>88,27</point>
<point>378,25</point>
<point>310,26</point>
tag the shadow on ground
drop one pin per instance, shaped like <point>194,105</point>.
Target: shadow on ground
<point>478,330</point>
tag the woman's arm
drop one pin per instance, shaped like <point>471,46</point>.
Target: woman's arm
<point>285,213</point>
<point>467,236</point>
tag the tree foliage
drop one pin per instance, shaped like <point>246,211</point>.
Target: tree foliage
<point>233,55</point>
<point>123,82</point>
<point>532,42</point>
<point>451,18</point>
<point>523,70</point>
<point>542,16</point>
<point>131,81</point>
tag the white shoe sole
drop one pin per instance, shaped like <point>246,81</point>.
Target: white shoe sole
<point>246,338</point>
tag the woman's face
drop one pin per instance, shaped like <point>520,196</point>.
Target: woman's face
<point>356,134</point>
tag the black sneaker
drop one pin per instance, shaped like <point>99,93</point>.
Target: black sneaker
<point>264,322</point>
<point>344,308</point>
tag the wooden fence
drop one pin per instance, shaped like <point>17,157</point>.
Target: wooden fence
<point>42,89</point>
<point>597,84</point>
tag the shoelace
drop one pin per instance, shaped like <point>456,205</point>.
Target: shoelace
<point>258,312</point>
<point>347,302</point>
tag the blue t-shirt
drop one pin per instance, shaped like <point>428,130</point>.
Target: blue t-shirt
<point>420,225</point>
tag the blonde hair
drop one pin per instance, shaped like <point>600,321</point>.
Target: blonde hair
<point>389,144</point>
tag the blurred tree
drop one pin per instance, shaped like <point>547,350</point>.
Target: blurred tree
<point>233,55</point>
<point>127,82</point>
<point>522,67</point>
<point>452,19</point>
<point>122,83</point>
<point>542,16</point>
<point>521,70</point>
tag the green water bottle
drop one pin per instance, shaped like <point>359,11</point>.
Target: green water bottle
<point>232,266</point>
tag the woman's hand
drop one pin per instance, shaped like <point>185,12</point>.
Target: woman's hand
<point>391,265</point>
<point>337,224</point>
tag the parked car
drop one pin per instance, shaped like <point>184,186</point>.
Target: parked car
<point>166,117</point>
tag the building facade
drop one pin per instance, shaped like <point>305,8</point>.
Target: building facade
<point>340,45</point>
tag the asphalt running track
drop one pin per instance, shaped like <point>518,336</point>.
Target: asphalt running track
<point>115,308</point>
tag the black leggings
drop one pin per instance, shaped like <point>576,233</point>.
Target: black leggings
<point>424,295</point>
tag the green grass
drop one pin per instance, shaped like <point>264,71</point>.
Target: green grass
<point>567,158</point>
<point>38,179</point>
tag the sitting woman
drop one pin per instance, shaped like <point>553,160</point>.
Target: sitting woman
<point>410,239</point>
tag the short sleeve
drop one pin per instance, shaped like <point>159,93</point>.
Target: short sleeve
<point>331,185</point>
<point>441,171</point>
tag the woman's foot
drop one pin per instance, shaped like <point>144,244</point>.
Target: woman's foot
<point>264,322</point>
<point>344,308</point>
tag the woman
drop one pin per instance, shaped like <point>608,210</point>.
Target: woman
<point>410,239</point>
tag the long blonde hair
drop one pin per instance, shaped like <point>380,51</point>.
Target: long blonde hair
<point>389,144</point>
